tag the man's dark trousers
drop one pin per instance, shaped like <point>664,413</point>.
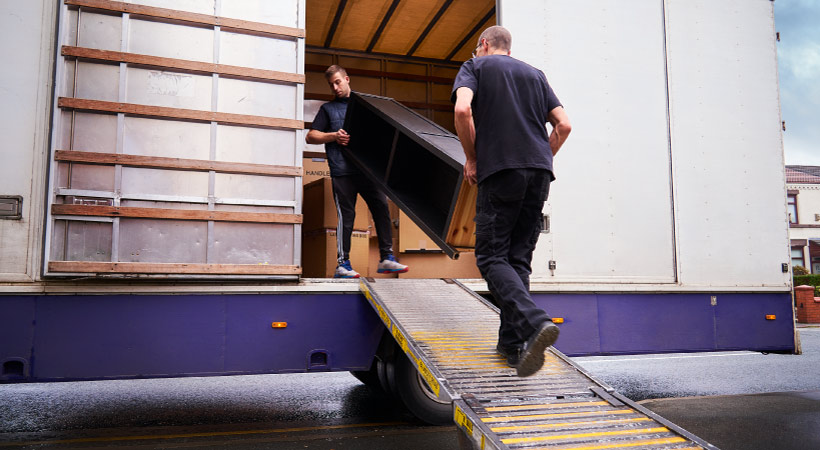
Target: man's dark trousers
<point>345,190</point>
<point>508,222</point>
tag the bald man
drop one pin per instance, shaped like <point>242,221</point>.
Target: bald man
<point>502,107</point>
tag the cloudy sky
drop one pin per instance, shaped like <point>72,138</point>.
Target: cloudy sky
<point>798,22</point>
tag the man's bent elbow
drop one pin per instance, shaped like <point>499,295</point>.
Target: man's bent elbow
<point>463,112</point>
<point>564,129</point>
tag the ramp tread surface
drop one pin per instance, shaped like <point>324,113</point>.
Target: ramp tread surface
<point>450,333</point>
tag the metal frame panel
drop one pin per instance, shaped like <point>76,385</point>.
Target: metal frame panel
<point>169,93</point>
<point>727,140</point>
<point>428,181</point>
<point>610,209</point>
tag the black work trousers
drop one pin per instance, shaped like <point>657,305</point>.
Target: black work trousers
<point>509,220</point>
<point>345,190</point>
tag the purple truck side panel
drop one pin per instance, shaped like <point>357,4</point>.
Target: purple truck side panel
<point>343,326</point>
<point>16,331</point>
<point>601,324</point>
<point>130,336</point>
<point>75,337</point>
<point>741,324</point>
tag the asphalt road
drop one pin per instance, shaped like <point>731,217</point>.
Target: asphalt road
<point>641,377</point>
<point>727,400</point>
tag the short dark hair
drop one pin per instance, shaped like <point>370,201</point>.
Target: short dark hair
<point>335,69</point>
<point>497,37</point>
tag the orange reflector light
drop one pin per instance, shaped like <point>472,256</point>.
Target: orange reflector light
<point>770,317</point>
<point>557,320</point>
<point>279,325</point>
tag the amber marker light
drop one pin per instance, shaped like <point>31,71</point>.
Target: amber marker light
<point>770,317</point>
<point>557,320</point>
<point>279,325</point>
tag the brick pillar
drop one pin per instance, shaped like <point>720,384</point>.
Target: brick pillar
<point>808,306</point>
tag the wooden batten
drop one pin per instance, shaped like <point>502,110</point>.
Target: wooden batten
<point>176,214</point>
<point>383,74</point>
<point>414,105</point>
<point>182,65</point>
<point>242,26</point>
<point>178,113</point>
<point>461,233</point>
<point>171,268</point>
<point>158,162</point>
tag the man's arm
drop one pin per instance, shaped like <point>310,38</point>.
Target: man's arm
<point>560,128</point>
<point>317,137</point>
<point>465,128</point>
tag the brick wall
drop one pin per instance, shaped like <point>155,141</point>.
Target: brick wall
<point>808,306</point>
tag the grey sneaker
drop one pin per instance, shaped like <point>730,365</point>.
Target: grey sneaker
<point>390,265</point>
<point>532,353</point>
<point>344,270</point>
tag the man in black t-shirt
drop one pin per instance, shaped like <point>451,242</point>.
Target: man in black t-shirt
<point>502,106</point>
<point>348,182</point>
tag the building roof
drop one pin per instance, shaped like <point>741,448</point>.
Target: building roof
<point>803,174</point>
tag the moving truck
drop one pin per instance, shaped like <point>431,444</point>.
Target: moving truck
<point>151,196</point>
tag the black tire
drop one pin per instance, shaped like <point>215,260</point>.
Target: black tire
<point>417,396</point>
<point>386,370</point>
<point>370,378</point>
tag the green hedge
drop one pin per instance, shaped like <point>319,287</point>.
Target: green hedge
<point>808,280</point>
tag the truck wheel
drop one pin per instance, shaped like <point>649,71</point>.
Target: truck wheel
<point>370,378</point>
<point>386,373</point>
<point>417,396</point>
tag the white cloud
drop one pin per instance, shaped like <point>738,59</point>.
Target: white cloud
<point>799,67</point>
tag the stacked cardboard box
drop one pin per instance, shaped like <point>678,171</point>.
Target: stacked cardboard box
<point>412,246</point>
<point>319,253</point>
<point>319,223</point>
<point>425,258</point>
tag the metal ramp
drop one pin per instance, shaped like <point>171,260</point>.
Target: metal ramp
<point>449,333</point>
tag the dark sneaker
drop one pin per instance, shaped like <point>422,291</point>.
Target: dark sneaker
<point>532,353</point>
<point>511,355</point>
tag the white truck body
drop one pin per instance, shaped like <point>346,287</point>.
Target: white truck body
<point>673,175</point>
<point>672,179</point>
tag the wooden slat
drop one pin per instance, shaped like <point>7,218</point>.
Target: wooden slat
<point>157,162</point>
<point>177,214</point>
<point>195,18</point>
<point>307,154</point>
<point>481,25</point>
<point>429,27</point>
<point>382,74</point>
<point>178,113</point>
<point>378,34</point>
<point>182,65</point>
<point>416,105</point>
<point>333,25</point>
<point>462,226</point>
<point>172,268</point>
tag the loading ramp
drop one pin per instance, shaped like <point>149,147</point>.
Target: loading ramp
<point>449,334</point>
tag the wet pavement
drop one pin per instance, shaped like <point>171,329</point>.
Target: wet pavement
<point>728,400</point>
<point>641,377</point>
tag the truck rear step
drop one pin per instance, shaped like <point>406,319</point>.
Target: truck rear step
<point>449,333</point>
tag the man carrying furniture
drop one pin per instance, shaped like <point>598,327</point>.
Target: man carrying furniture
<point>348,181</point>
<point>502,106</point>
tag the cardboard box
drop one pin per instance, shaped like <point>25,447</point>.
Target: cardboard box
<point>315,168</point>
<point>439,265</point>
<point>319,209</point>
<point>412,238</point>
<point>319,253</point>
